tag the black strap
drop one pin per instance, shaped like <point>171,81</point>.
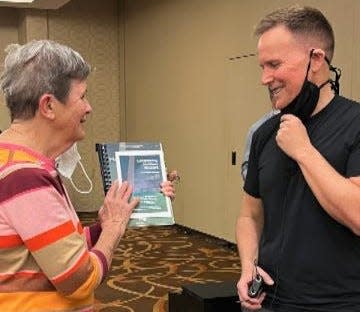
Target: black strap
<point>335,85</point>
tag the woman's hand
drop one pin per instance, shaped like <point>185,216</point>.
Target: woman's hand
<point>168,187</point>
<point>116,211</point>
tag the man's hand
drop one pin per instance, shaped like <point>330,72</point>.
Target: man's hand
<point>243,287</point>
<point>292,136</point>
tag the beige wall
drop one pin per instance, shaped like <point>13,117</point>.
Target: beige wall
<point>183,90</point>
<point>161,71</point>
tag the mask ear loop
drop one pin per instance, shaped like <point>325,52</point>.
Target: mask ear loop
<point>87,177</point>
<point>309,64</point>
<point>335,85</point>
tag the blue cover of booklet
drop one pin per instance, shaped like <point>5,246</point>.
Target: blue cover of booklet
<point>142,165</point>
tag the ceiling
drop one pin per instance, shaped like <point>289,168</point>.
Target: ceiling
<point>34,4</point>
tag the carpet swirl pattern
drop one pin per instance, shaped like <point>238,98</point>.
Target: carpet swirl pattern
<point>151,262</point>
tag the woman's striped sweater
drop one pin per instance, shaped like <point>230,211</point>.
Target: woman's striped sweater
<point>46,257</point>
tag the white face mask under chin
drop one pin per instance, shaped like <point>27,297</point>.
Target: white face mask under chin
<point>66,164</point>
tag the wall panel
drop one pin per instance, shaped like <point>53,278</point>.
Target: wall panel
<point>8,34</point>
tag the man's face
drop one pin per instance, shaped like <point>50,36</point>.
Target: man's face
<point>73,113</point>
<point>284,61</point>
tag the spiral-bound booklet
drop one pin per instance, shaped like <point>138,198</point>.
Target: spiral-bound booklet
<point>142,165</point>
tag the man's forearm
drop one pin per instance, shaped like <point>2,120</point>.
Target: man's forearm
<point>247,237</point>
<point>339,196</point>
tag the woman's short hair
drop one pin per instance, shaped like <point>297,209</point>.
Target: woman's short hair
<point>36,68</point>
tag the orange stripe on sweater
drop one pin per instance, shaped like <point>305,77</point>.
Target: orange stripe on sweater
<point>48,237</point>
<point>68,273</point>
<point>10,241</point>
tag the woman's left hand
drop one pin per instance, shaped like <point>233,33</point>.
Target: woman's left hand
<point>168,187</point>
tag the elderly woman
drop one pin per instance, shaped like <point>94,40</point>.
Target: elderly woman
<point>49,262</point>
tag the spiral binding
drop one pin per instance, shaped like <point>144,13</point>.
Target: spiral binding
<point>104,165</point>
<point>106,168</point>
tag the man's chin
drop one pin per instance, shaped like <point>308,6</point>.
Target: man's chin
<point>275,104</point>
<point>279,105</point>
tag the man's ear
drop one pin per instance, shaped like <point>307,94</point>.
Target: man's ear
<point>317,59</point>
<point>46,106</point>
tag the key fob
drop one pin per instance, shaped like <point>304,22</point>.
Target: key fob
<point>256,286</point>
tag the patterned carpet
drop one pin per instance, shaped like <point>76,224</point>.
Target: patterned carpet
<point>151,262</point>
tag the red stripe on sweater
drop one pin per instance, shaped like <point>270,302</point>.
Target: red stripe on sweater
<point>39,241</point>
<point>10,241</point>
<point>31,178</point>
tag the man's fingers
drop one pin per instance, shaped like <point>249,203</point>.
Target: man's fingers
<point>266,277</point>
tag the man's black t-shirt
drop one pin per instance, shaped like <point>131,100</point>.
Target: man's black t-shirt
<point>313,259</point>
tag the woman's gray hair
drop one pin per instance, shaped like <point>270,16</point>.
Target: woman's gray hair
<point>36,68</point>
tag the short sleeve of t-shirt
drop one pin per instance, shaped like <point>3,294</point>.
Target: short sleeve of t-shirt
<point>260,138</point>
<point>251,185</point>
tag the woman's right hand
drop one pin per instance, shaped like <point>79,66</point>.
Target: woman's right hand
<point>115,213</point>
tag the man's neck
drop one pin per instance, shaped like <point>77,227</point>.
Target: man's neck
<point>326,95</point>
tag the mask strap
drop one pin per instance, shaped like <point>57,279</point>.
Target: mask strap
<point>325,83</point>
<point>87,177</point>
<point>308,67</point>
<point>335,85</point>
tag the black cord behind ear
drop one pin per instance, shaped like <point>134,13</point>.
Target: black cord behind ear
<point>335,85</point>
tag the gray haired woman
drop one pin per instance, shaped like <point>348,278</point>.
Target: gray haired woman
<point>48,260</point>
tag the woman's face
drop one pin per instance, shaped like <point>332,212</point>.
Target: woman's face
<point>71,115</point>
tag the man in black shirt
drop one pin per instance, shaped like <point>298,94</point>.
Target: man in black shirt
<point>299,224</point>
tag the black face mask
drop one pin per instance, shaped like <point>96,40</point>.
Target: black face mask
<point>305,102</point>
